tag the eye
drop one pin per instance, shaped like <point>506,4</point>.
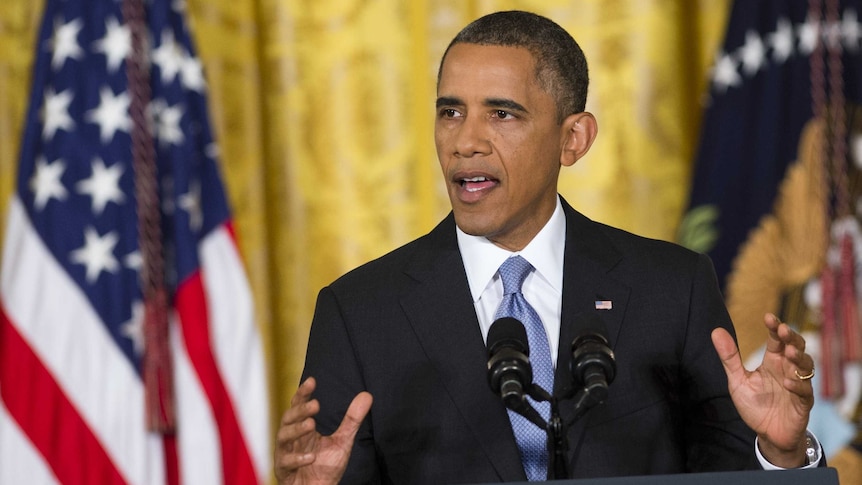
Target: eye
<point>503,115</point>
<point>449,113</point>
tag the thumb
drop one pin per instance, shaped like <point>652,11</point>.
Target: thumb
<point>728,352</point>
<point>356,413</point>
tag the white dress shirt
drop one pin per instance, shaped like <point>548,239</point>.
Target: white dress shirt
<point>543,288</point>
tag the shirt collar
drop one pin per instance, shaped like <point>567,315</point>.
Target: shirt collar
<point>482,258</point>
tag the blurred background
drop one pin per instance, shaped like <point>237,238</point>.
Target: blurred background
<point>323,112</point>
<point>324,116</point>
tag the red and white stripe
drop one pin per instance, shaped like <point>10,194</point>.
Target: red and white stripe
<point>73,407</point>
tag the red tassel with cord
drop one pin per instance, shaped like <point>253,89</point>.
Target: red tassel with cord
<point>831,372</point>
<point>157,363</point>
<point>850,334</point>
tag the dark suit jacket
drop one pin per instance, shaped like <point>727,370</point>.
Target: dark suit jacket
<point>404,328</point>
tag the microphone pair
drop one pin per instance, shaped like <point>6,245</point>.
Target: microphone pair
<point>511,376</point>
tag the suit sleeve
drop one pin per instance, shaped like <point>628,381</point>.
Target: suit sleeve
<point>332,361</point>
<point>715,435</point>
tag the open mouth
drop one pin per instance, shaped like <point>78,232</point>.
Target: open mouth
<point>475,184</point>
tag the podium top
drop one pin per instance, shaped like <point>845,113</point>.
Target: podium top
<point>812,476</point>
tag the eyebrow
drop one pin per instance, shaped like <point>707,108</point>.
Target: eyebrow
<point>502,103</point>
<point>448,101</point>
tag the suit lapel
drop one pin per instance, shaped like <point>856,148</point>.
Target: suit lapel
<point>587,279</point>
<point>442,314</point>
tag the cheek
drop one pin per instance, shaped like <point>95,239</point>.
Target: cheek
<point>516,157</point>
<point>441,144</point>
<point>532,170</point>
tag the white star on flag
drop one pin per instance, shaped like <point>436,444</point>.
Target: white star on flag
<point>65,42</point>
<point>133,329</point>
<point>192,74</point>
<point>103,186</point>
<point>168,56</point>
<point>781,41</point>
<point>46,183</point>
<point>115,45</point>
<point>851,30</point>
<point>167,119</point>
<point>96,253</point>
<point>191,203</point>
<point>134,261</point>
<point>753,53</point>
<point>111,115</point>
<point>56,113</point>
<point>724,73</point>
<point>212,151</point>
<point>809,36</point>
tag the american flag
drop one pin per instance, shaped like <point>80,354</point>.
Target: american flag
<point>604,305</point>
<point>72,395</point>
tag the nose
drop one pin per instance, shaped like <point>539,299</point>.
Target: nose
<point>472,137</point>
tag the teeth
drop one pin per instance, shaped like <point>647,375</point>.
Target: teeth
<point>475,179</point>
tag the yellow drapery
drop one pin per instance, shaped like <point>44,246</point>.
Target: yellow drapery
<point>323,110</point>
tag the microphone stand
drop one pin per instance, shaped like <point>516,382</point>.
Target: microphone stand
<point>557,445</point>
<point>594,392</point>
<point>556,429</point>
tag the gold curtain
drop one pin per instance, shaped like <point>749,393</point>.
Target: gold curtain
<point>324,114</point>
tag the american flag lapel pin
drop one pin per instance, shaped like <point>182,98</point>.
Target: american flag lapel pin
<point>604,304</point>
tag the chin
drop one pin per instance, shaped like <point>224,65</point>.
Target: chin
<point>474,225</point>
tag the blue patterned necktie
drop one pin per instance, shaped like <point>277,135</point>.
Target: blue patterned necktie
<point>532,440</point>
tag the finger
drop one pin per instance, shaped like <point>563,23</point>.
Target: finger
<point>801,360</point>
<point>796,361</point>
<point>300,408</point>
<point>801,388</point>
<point>300,411</point>
<point>799,364</point>
<point>356,413</point>
<point>287,462</point>
<point>728,352</point>
<point>297,421</point>
<point>303,393</point>
<point>289,436</point>
<point>773,340</point>
<point>790,337</point>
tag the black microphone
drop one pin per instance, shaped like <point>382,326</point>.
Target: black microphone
<point>593,366</point>
<point>509,369</point>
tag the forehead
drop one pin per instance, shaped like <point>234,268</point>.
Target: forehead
<point>491,70</point>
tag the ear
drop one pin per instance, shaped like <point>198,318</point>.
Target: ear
<point>580,129</point>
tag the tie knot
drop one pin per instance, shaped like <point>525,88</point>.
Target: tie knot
<point>513,271</point>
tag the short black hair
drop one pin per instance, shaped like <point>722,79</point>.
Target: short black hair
<point>561,67</point>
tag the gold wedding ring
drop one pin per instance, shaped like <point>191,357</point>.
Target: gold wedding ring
<point>806,376</point>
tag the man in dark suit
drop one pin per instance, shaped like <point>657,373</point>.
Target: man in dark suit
<point>409,328</point>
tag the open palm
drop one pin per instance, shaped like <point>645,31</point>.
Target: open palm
<point>772,399</point>
<point>305,457</point>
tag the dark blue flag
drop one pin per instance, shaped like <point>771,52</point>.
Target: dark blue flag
<point>775,199</point>
<point>758,102</point>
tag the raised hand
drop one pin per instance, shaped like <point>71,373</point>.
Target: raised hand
<point>775,399</point>
<point>304,456</point>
